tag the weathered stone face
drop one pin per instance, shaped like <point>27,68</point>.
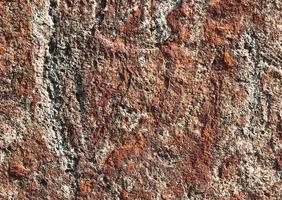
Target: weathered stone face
<point>140,99</point>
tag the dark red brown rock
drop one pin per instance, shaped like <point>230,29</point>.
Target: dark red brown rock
<point>140,99</point>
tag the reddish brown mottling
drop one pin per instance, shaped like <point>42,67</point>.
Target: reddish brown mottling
<point>140,99</point>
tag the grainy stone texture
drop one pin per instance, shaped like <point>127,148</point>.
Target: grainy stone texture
<point>140,99</point>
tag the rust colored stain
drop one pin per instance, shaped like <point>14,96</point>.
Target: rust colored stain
<point>225,19</point>
<point>140,99</point>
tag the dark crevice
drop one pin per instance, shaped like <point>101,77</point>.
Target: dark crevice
<point>81,98</point>
<point>52,73</point>
<point>52,10</point>
<point>100,14</point>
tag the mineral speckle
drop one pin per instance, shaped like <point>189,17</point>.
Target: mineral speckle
<point>140,99</point>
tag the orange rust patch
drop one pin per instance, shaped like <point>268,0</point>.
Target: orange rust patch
<point>35,99</point>
<point>25,160</point>
<point>131,25</point>
<point>228,59</point>
<point>120,155</point>
<point>226,20</point>
<point>176,54</point>
<point>18,170</point>
<point>177,21</point>
<point>172,193</point>
<point>16,28</point>
<point>85,187</point>
<point>175,16</point>
<point>228,168</point>
<point>2,49</point>
<point>33,186</point>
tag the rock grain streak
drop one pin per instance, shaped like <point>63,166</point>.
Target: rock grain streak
<point>140,99</point>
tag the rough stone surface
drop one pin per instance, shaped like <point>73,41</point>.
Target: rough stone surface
<point>140,99</point>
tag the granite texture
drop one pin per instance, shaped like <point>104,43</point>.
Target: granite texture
<point>140,99</point>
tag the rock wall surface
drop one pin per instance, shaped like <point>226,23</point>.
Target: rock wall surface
<point>140,99</point>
